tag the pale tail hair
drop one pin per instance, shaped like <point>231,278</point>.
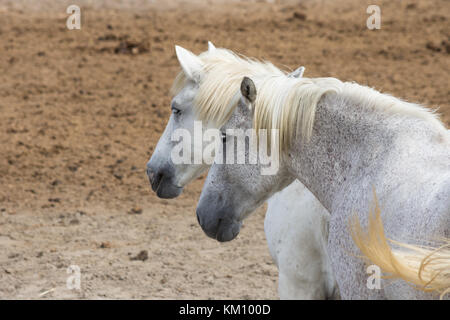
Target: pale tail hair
<point>426,268</point>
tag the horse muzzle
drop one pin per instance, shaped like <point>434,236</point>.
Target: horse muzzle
<point>222,229</point>
<point>161,182</point>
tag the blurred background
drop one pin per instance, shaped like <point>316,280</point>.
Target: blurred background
<point>82,110</point>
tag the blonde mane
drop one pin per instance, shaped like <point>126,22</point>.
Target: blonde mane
<point>224,70</point>
<point>284,103</point>
<point>289,105</point>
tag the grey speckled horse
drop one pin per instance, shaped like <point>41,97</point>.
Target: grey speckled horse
<point>342,141</point>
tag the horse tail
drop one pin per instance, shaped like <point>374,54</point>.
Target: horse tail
<point>426,268</point>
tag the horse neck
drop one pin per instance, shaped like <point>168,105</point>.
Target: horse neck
<point>351,143</point>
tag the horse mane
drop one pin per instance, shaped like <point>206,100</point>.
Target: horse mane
<point>218,91</point>
<point>370,98</point>
<point>284,103</point>
<point>289,105</point>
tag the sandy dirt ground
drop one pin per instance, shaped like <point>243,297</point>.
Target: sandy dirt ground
<point>81,112</point>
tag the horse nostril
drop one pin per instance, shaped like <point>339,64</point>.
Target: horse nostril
<point>154,178</point>
<point>150,174</point>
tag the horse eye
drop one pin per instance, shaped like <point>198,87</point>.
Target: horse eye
<point>176,111</point>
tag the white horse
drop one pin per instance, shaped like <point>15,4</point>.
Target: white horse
<point>296,227</point>
<point>299,253</point>
<point>342,140</point>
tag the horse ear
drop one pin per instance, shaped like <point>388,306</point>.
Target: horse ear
<point>211,47</point>
<point>298,73</point>
<point>190,63</point>
<point>248,89</point>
